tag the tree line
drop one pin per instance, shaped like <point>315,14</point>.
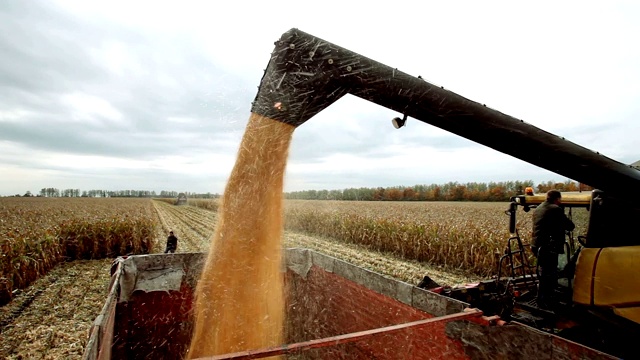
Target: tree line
<point>451,191</point>
<point>55,192</point>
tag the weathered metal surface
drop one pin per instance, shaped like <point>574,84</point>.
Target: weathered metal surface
<point>156,319</point>
<point>146,266</point>
<point>367,335</point>
<point>306,74</point>
<point>435,304</point>
<point>299,262</point>
<point>101,332</point>
<point>419,298</point>
<point>160,280</point>
<point>514,341</point>
<point>327,305</point>
<point>148,307</point>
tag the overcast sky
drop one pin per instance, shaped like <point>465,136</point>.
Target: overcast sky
<point>155,95</point>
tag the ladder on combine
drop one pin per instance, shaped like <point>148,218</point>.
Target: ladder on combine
<point>520,275</point>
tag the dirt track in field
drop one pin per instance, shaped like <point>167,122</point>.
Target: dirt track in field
<point>193,226</point>
<point>51,318</point>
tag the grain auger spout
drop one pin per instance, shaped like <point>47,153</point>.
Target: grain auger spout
<point>307,74</point>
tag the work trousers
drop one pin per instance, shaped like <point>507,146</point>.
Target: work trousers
<point>548,268</point>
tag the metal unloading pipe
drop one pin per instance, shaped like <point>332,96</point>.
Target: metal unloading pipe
<point>307,74</point>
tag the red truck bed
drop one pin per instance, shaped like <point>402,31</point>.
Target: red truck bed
<point>335,310</point>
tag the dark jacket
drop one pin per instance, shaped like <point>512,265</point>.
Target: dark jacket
<point>549,226</point>
<point>172,243</point>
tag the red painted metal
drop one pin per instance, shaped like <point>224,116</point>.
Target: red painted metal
<point>155,324</point>
<point>326,304</point>
<point>343,339</point>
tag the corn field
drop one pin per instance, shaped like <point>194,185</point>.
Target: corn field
<point>38,233</point>
<point>467,236</point>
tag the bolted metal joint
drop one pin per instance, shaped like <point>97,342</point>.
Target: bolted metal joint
<point>301,79</point>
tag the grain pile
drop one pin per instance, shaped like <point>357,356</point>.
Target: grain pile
<point>240,296</point>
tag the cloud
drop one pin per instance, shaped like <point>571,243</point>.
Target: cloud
<point>86,99</point>
<point>156,95</point>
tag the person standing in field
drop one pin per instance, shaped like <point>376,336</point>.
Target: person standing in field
<point>172,243</point>
<point>549,227</point>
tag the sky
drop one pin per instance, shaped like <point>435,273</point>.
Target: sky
<point>155,95</point>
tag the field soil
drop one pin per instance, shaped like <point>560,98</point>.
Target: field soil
<point>51,319</point>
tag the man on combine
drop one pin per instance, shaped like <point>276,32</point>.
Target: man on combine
<point>172,243</point>
<point>549,227</point>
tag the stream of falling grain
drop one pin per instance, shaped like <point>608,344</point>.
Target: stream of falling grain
<point>240,297</point>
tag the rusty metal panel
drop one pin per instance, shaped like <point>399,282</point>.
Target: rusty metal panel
<point>369,336</point>
<point>430,302</point>
<point>515,341</point>
<point>505,342</point>
<point>154,325</point>
<point>326,305</point>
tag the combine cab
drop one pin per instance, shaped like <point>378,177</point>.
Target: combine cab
<point>335,310</point>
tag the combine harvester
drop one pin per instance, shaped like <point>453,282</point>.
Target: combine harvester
<point>336,310</point>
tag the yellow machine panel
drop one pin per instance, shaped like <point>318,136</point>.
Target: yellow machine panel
<point>584,276</point>
<point>631,313</point>
<point>609,277</point>
<point>575,200</point>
